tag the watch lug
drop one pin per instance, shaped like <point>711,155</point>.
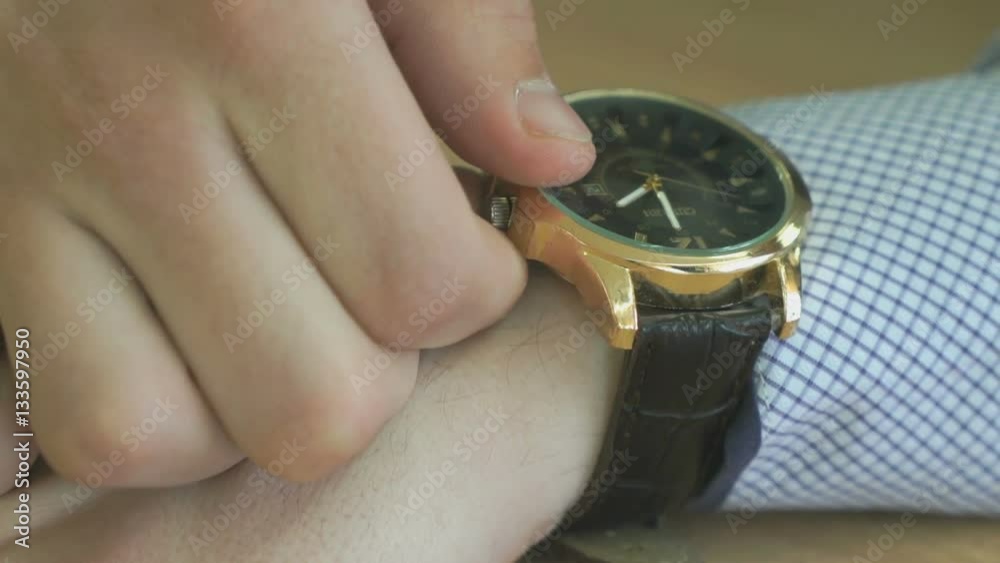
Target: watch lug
<point>608,286</point>
<point>783,283</point>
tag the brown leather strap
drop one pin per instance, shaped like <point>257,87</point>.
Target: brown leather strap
<point>684,379</point>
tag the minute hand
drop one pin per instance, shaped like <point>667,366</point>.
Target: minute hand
<point>678,182</point>
<point>668,209</point>
<point>688,185</point>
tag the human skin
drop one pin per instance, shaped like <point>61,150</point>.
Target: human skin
<point>553,400</point>
<point>333,225</point>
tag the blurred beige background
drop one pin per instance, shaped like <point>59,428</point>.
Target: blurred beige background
<point>773,47</point>
<point>770,48</point>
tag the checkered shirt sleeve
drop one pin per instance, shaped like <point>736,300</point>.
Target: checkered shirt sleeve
<point>888,397</point>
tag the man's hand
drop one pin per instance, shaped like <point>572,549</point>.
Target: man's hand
<point>229,224</point>
<point>498,441</point>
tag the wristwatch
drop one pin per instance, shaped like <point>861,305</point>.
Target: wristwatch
<point>684,241</point>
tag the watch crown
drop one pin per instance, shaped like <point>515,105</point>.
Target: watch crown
<point>500,211</point>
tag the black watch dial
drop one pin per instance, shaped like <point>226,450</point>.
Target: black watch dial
<point>671,178</point>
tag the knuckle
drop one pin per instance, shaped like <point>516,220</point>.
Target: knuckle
<point>320,437</point>
<point>322,428</point>
<point>416,306</point>
<point>126,447</point>
<point>445,299</point>
<point>253,39</point>
<point>92,449</point>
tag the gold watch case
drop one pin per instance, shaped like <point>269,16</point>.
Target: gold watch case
<point>613,276</point>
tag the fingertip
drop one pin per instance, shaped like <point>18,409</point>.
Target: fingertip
<point>544,113</point>
<point>532,137</point>
<point>491,280</point>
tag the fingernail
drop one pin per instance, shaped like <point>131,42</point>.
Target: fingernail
<point>544,112</point>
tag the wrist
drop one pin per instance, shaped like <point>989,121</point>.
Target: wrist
<point>553,379</point>
<point>498,441</point>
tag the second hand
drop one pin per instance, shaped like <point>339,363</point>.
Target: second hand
<point>678,182</point>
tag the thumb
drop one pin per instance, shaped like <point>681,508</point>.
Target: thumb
<point>477,72</point>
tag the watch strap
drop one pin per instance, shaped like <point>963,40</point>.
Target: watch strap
<point>684,379</point>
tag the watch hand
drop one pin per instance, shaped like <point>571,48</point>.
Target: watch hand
<point>668,209</point>
<point>627,200</point>
<point>673,181</point>
<point>712,191</point>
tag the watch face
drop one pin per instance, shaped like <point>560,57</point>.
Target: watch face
<point>670,178</point>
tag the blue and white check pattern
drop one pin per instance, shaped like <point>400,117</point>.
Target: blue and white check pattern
<point>888,397</point>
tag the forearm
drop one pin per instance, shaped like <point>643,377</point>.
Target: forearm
<point>498,440</point>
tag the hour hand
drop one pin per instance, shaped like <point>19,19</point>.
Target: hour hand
<point>630,198</point>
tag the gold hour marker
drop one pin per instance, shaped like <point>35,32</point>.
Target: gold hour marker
<point>617,129</point>
<point>596,218</point>
<point>695,135</point>
<point>593,122</point>
<point>643,120</point>
<point>738,181</point>
<point>641,237</point>
<point>666,136</point>
<point>684,242</point>
<point>727,232</point>
<point>710,154</point>
<point>741,209</point>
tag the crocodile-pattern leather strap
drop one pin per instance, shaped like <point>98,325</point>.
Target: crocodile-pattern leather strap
<point>684,379</point>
